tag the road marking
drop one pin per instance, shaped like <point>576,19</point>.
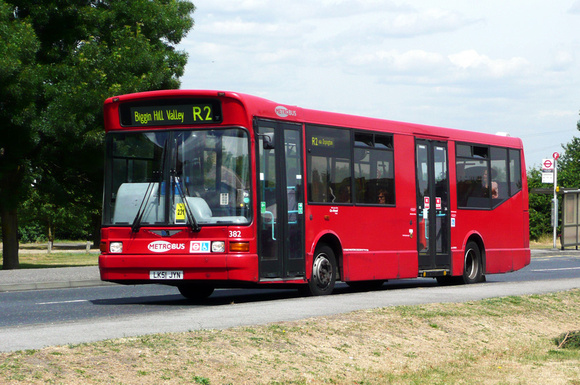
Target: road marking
<point>57,302</point>
<point>558,269</point>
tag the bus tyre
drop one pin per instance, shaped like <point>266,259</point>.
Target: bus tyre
<point>472,270</point>
<point>195,292</point>
<point>323,271</point>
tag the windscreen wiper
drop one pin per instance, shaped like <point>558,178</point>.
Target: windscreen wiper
<point>137,221</point>
<point>139,217</point>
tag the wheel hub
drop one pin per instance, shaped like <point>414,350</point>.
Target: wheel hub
<point>322,271</point>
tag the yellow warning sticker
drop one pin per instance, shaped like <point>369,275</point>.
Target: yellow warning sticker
<point>180,212</point>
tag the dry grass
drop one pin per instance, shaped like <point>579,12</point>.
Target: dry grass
<point>497,341</point>
<point>546,241</point>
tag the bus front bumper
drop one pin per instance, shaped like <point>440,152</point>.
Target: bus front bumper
<point>150,268</point>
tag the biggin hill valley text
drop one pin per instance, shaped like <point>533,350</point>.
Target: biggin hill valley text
<point>160,116</point>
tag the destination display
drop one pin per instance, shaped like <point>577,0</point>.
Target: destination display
<point>319,141</point>
<point>176,113</point>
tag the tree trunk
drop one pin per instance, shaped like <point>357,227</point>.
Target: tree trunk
<point>10,239</point>
<point>50,236</point>
<point>96,227</point>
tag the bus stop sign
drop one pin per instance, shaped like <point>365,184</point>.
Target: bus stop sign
<point>547,164</point>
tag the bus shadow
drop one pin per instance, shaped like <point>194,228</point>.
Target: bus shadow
<point>219,298</point>
<point>237,296</point>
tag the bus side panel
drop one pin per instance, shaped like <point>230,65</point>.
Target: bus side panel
<point>242,267</point>
<point>370,265</point>
<point>524,259</point>
<point>499,261</point>
<point>457,262</point>
<point>371,239</point>
<point>501,232</point>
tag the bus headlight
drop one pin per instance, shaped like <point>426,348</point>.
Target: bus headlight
<point>116,247</point>
<point>218,247</point>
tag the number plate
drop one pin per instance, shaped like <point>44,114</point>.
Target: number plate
<point>166,275</point>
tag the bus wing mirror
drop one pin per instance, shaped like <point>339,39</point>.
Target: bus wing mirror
<point>267,141</point>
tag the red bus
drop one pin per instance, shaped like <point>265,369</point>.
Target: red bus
<point>211,189</point>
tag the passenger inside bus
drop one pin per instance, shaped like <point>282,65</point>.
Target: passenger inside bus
<point>382,197</point>
<point>494,186</point>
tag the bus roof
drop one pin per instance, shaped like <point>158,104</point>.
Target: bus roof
<point>259,107</point>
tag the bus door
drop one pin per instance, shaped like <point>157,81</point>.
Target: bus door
<point>433,210</point>
<point>281,200</point>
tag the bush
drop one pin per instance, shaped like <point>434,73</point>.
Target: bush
<point>569,340</point>
<point>31,233</point>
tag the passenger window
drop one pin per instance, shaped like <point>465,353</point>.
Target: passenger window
<point>471,183</point>
<point>374,171</point>
<point>329,160</point>
<point>515,172</point>
<point>485,175</point>
<point>499,175</point>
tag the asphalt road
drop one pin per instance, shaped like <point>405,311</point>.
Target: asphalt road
<point>38,318</point>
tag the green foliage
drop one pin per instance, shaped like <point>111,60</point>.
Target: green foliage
<point>18,82</point>
<point>18,79</point>
<point>569,340</point>
<point>114,48</point>
<point>59,60</point>
<point>45,217</point>
<point>568,177</point>
<point>569,165</point>
<point>540,207</point>
<point>32,232</point>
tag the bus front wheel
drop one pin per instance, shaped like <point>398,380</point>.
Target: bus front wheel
<point>323,271</point>
<point>195,292</point>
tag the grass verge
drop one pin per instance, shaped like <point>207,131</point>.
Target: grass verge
<point>507,340</point>
<point>56,259</point>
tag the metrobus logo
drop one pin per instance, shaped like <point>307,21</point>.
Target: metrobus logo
<point>163,246</point>
<point>283,112</point>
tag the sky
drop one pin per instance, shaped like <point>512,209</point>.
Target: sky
<point>488,66</point>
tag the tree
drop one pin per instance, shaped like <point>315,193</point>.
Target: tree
<point>569,163</point>
<point>540,207</point>
<point>568,176</point>
<point>90,50</point>
<point>18,47</point>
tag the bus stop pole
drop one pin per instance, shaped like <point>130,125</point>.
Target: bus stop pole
<point>555,205</point>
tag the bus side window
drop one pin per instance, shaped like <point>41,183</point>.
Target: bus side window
<point>515,171</point>
<point>329,164</point>
<point>374,169</point>
<point>486,176</point>
<point>499,175</point>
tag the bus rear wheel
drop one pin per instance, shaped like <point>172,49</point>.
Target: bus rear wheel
<point>323,271</point>
<point>472,270</point>
<point>195,292</point>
